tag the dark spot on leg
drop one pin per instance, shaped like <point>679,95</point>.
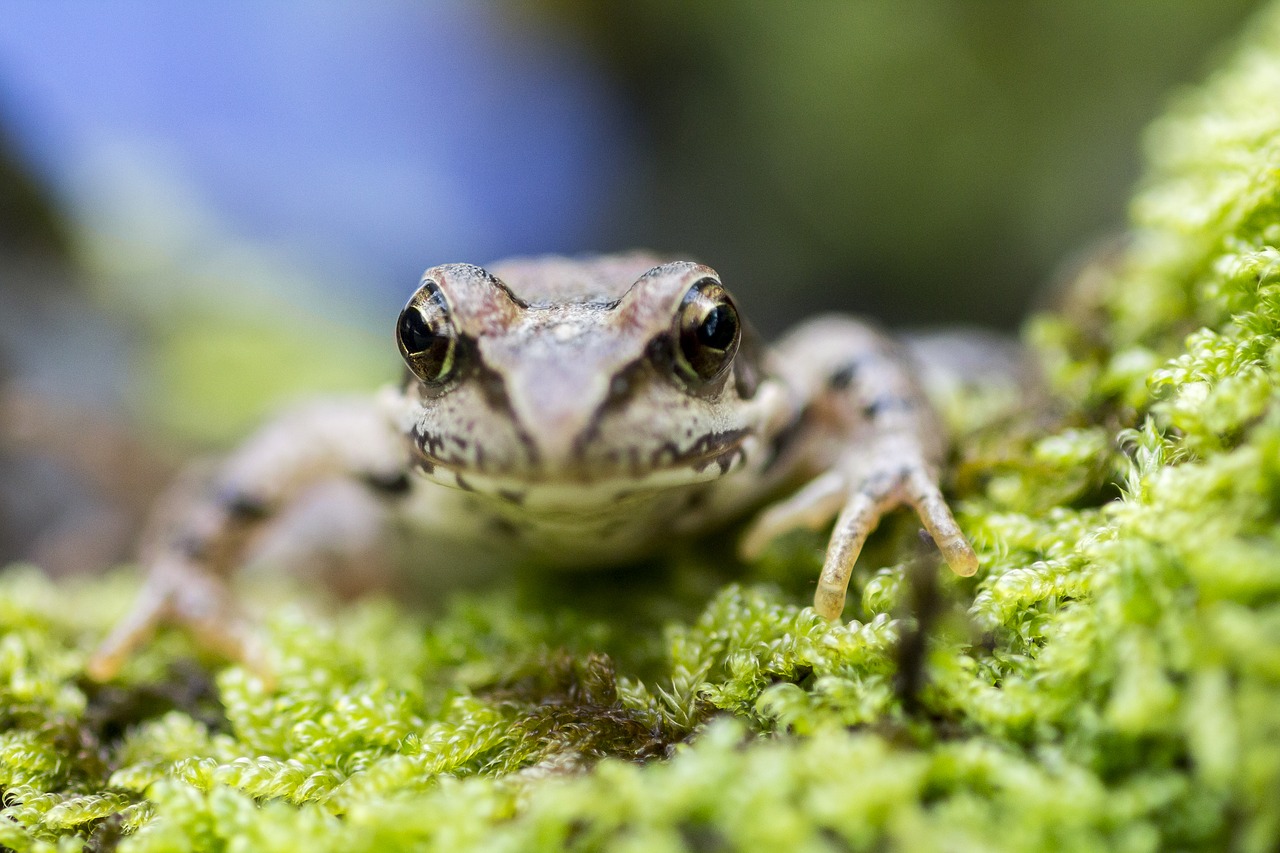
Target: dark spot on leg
<point>842,377</point>
<point>886,403</point>
<point>242,506</point>
<point>512,496</point>
<point>396,484</point>
<point>463,484</point>
<point>505,528</point>
<point>192,546</point>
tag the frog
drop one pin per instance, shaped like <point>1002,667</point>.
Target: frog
<point>581,412</point>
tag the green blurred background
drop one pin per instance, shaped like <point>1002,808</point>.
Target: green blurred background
<point>927,162</point>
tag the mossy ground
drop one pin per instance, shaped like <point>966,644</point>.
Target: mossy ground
<point>1110,679</point>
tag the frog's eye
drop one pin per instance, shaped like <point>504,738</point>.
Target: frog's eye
<point>426,335</point>
<point>707,332</point>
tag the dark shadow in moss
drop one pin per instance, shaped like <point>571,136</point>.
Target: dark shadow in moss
<point>703,837</point>
<point>569,706</point>
<point>113,709</point>
<point>924,604</point>
<point>106,834</point>
<point>88,761</point>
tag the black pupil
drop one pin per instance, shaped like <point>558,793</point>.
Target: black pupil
<point>718,328</point>
<point>415,332</point>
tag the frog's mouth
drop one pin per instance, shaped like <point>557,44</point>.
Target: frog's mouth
<point>585,477</point>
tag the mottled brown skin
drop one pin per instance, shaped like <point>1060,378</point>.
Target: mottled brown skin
<point>579,412</point>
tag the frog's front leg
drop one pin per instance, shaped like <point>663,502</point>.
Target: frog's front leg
<point>874,434</point>
<point>207,526</point>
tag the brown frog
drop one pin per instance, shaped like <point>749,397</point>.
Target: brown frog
<point>584,412</point>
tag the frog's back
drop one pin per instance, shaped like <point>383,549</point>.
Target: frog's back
<point>555,279</point>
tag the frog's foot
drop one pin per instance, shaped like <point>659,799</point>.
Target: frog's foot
<point>196,601</point>
<point>858,504</point>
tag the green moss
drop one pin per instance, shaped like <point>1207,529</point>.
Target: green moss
<point>1111,678</point>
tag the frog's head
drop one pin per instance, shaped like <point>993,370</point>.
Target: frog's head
<point>606,370</point>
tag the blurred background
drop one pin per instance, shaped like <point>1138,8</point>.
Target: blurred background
<point>206,209</point>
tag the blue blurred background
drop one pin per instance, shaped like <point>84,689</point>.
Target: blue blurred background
<point>357,142</point>
<point>206,209</point>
